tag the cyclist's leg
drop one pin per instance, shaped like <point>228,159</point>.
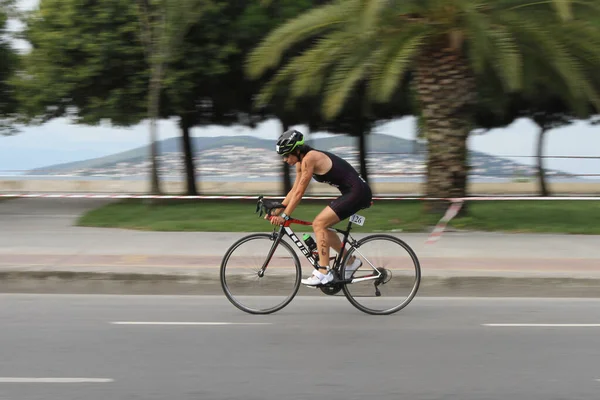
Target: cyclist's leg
<point>346,205</point>
<point>338,210</point>
<point>334,241</point>
<point>324,220</point>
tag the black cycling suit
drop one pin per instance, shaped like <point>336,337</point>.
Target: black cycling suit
<point>356,193</point>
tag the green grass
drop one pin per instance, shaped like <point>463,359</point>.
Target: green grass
<point>556,216</point>
<point>549,216</point>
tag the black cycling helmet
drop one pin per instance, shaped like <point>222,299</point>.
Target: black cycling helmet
<point>289,141</point>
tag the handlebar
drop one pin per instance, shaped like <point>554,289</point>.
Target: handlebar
<point>266,206</point>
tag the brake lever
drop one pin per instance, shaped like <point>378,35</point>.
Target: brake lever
<point>259,206</point>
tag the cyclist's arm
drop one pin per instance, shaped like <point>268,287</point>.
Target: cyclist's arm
<point>304,174</point>
<point>288,197</point>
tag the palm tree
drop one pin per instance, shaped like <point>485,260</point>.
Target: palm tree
<point>444,45</point>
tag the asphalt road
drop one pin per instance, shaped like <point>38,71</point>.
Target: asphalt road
<point>118,347</point>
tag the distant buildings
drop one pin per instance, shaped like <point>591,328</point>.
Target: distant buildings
<point>251,163</point>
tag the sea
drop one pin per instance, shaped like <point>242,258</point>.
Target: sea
<point>254,178</point>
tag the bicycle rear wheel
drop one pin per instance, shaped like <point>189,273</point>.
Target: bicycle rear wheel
<point>242,283</point>
<point>388,278</point>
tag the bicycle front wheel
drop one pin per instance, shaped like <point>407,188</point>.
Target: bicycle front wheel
<point>241,279</point>
<point>388,278</point>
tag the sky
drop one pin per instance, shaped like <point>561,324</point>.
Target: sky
<point>58,141</point>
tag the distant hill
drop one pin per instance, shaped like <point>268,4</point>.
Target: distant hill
<point>376,143</point>
<point>394,155</point>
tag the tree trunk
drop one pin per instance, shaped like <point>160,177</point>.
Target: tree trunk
<point>540,162</point>
<point>419,134</point>
<point>361,132</point>
<point>445,88</point>
<point>153,114</point>
<point>363,128</point>
<point>287,179</point>
<point>156,70</point>
<point>188,155</point>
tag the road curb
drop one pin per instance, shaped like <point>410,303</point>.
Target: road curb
<point>77,282</point>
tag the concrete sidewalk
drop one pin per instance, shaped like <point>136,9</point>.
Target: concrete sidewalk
<point>74,259</point>
<point>41,251</point>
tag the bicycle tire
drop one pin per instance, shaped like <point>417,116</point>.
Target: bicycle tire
<point>236,301</point>
<point>415,287</point>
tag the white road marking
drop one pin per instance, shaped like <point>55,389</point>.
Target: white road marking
<point>54,380</point>
<point>547,325</point>
<point>188,323</point>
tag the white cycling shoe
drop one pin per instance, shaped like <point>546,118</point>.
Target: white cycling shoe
<point>350,268</point>
<point>317,278</point>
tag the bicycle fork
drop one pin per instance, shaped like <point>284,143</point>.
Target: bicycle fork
<point>276,237</point>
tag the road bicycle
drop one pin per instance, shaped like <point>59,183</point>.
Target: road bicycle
<point>267,261</point>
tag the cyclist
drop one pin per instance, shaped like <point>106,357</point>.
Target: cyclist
<point>328,168</point>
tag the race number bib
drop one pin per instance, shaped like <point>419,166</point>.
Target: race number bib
<point>357,219</point>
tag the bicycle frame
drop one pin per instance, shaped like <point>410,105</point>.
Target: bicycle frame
<point>285,230</point>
